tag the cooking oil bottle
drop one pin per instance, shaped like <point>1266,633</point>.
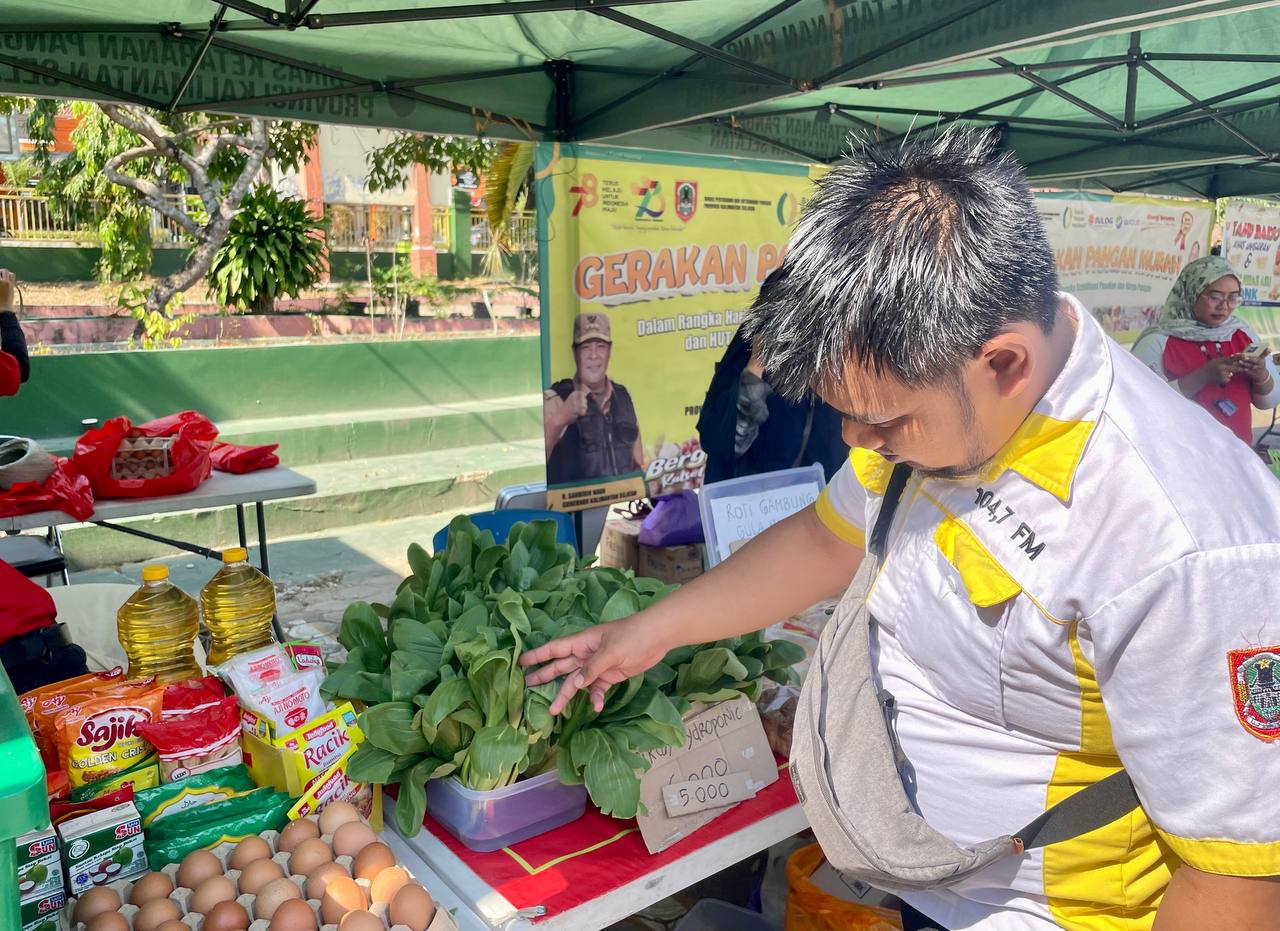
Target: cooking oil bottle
<point>238,605</point>
<point>157,626</point>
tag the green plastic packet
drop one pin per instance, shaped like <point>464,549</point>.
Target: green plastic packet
<point>228,821</point>
<point>192,792</point>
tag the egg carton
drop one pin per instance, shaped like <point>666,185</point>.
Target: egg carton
<point>442,921</point>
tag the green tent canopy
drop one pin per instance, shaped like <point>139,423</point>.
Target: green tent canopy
<point>1121,94</point>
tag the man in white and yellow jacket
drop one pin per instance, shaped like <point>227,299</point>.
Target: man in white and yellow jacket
<point>1082,574</point>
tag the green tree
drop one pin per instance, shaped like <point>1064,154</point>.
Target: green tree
<point>275,247</point>
<point>130,161</point>
<point>390,164</point>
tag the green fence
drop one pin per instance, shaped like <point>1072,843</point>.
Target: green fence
<point>266,381</point>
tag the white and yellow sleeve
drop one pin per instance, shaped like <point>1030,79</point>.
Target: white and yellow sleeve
<point>842,506</point>
<point>1188,666</point>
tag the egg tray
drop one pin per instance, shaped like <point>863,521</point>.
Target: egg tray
<point>442,921</point>
<point>143,457</point>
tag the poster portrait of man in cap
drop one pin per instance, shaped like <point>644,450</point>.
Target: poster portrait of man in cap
<point>590,420</point>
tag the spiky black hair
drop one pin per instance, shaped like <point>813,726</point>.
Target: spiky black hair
<point>908,258</point>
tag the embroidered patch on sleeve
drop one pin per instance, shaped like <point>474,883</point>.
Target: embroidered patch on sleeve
<point>1255,687</point>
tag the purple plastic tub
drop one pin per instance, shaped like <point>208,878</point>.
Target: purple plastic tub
<point>486,821</point>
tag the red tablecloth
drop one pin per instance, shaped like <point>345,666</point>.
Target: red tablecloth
<point>594,855</point>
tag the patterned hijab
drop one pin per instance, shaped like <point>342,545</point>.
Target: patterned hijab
<point>1179,317</point>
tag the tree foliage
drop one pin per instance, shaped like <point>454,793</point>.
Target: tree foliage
<point>389,165</point>
<point>274,248</point>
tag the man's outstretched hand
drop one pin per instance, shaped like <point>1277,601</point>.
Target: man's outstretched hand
<point>596,658</point>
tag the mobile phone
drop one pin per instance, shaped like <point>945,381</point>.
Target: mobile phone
<point>1255,351</point>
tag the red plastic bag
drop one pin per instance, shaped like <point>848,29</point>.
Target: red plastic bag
<point>65,490</point>
<point>227,457</point>
<point>193,436</point>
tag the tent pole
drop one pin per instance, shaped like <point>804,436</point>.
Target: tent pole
<point>688,62</point>
<point>109,93</point>
<point>198,59</point>
<point>835,74</point>
<point>882,83</point>
<point>1172,115</point>
<point>1131,89</point>
<point>359,84</point>
<point>268,16</point>
<point>561,74</point>
<point>1059,92</point>
<point>765,140</point>
<point>1205,108</point>
<point>977,113</point>
<point>431,14</point>
<point>707,51</point>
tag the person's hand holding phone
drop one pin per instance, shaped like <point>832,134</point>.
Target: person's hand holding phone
<point>1253,363</point>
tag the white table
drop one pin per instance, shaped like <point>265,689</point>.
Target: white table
<point>487,910</point>
<point>221,489</point>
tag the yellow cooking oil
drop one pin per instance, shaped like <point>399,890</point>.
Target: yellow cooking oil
<point>157,626</point>
<point>238,605</point>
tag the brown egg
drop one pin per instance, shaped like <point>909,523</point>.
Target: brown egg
<point>351,838</point>
<point>320,876</point>
<point>387,883</point>
<point>174,925</point>
<point>372,860</point>
<point>209,893</point>
<point>273,895</point>
<point>361,921</point>
<point>108,921</point>
<point>307,856</point>
<point>151,886</point>
<point>335,815</point>
<point>294,915</point>
<point>248,850</point>
<point>412,906</point>
<point>295,833</point>
<point>341,896</point>
<point>226,916</point>
<point>257,874</point>
<point>155,913</point>
<point>197,866</point>
<point>95,902</point>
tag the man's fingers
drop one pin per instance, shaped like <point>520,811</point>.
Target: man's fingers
<point>553,670</point>
<point>555,649</point>
<point>598,690</point>
<point>572,683</point>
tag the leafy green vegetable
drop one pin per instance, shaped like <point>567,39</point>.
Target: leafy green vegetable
<point>446,694</point>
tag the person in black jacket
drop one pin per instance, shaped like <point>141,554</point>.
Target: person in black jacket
<point>15,367</point>
<point>746,429</point>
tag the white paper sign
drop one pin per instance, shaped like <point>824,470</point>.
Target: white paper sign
<point>684,798</point>
<point>744,516</point>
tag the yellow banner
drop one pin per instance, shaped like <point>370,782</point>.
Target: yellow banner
<point>648,260</point>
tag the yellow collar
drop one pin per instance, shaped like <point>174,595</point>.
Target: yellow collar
<point>1044,451</point>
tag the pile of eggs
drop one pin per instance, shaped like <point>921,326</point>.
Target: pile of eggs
<point>321,873</point>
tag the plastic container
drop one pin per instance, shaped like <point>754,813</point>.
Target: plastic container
<point>486,821</point>
<point>714,915</point>
<point>22,797</point>
<point>238,604</point>
<point>157,627</point>
<point>735,510</point>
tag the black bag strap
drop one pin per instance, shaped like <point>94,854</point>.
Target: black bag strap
<point>804,436</point>
<point>878,543</point>
<point>1095,805</point>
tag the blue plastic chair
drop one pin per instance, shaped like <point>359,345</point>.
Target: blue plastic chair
<point>499,523</point>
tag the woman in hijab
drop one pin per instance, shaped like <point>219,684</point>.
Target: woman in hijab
<point>1199,347</point>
